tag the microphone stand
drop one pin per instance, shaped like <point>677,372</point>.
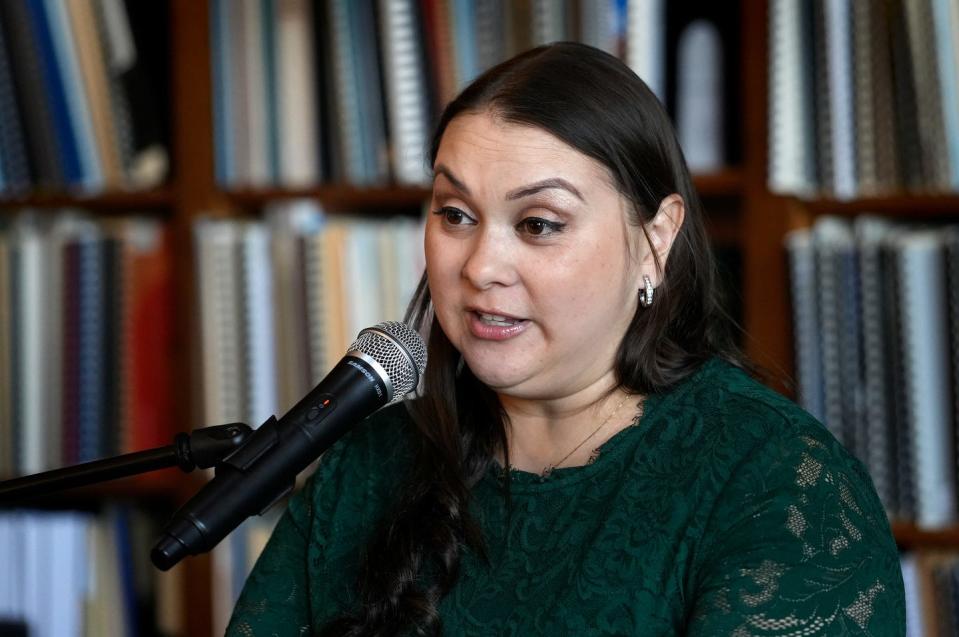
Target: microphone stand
<point>201,449</point>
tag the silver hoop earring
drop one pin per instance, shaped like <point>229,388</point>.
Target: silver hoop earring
<point>646,294</point>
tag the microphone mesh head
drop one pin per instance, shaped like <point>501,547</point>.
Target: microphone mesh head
<point>399,350</point>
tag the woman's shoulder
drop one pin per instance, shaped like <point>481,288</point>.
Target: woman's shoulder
<point>730,405</point>
<point>783,504</point>
<point>766,453</point>
<point>740,432</point>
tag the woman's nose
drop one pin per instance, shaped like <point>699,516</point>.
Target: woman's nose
<point>490,262</point>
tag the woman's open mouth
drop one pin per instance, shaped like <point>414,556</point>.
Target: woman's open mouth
<point>497,327</point>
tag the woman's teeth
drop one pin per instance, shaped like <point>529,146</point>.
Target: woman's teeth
<point>500,321</point>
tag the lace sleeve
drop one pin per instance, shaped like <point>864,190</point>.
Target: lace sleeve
<point>799,544</point>
<point>275,599</point>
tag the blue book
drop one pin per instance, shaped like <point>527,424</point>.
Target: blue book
<point>360,38</point>
<point>78,107</point>
<point>14,166</point>
<point>91,349</point>
<point>52,79</point>
<point>42,144</point>
<point>464,28</point>
<point>268,35</point>
<point>3,182</point>
<point>223,143</point>
<point>949,85</point>
<point>376,153</point>
<point>125,560</point>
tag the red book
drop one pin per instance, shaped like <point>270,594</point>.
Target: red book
<point>150,338</point>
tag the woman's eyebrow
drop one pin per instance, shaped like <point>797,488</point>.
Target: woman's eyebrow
<point>553,182</point>
<point>518,193</point>
<point>446,172</point>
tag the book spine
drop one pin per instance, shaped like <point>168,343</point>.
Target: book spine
<point>56,93</point>
<point>223,142</point>
<point>922,274</point>
<point>77,100</point>
<point>406,93</point>
<point>13,151</point>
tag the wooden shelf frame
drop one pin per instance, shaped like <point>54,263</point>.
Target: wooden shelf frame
<point>903,207</point>
<point>751,217</point>
<point>910,537</point>
<point>726,183</point>
<point>154,200</point>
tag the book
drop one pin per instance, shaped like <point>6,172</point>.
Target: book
<point>299,112</point>
<point>55,23</point>
<point>14,164</point>
<point>878,410</point>
<point>921,271</point>
<point>93,78</point>
<point>925,76</point>
<point>224,140</point>
<point>646,50</point>
<point>699,98</point>
<point>220,317</point>
<point>842,128</point>
<point>805,301</point>
<point>136,40</point>
<point>405,92</point>
<point>256,134</point>
<point>28,373</point>
<point>149,334</point>
<point>261,361</point>
<point>7,467</point>
<point>54,93</point>
<point>833,246</point>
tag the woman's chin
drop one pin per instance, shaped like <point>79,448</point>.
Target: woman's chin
<point>496,377</point>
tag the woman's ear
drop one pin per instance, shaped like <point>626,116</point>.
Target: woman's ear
<point>662,231</point>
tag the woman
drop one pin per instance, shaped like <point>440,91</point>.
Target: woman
<point>575,338</point>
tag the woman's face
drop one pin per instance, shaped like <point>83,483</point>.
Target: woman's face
<point>532,268</point>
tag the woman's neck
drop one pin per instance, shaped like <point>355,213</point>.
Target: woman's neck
<point>565,432</point>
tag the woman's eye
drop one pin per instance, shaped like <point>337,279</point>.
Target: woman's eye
<point>539,227</point>
<point>453,216</point>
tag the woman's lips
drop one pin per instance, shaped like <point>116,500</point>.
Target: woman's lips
<point>495,327</point>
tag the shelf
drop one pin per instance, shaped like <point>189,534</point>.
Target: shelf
<point>901,206</point>
<point>385,199</point>
<point>725,183</point>
<point>908,536</point>
<point>104,202</point>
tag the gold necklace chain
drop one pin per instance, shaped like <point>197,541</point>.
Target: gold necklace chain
<point>548,470</point>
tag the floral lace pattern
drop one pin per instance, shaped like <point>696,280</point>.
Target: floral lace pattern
<point>726,511</point>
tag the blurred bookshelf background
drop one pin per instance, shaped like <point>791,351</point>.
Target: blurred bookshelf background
<point>192,190</point>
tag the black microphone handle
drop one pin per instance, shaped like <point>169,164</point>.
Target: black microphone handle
<point>264,468</point>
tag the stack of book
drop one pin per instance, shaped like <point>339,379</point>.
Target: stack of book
<point>70,573</point>
<point>282,297</point>
<point>85,335</point>
<point>876,315</point>
<point>863,97</point>
<point>340,91</point>
<point>78,88</point>
<point>931,579</point>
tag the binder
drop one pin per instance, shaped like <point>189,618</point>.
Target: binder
<point>878,410</point>
<point>922,271</point>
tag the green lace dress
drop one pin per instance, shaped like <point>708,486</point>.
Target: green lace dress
<point>724,510</point>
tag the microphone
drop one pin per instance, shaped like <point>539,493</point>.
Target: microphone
<point>383,365</point>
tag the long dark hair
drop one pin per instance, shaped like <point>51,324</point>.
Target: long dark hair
<point>597,105</point>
